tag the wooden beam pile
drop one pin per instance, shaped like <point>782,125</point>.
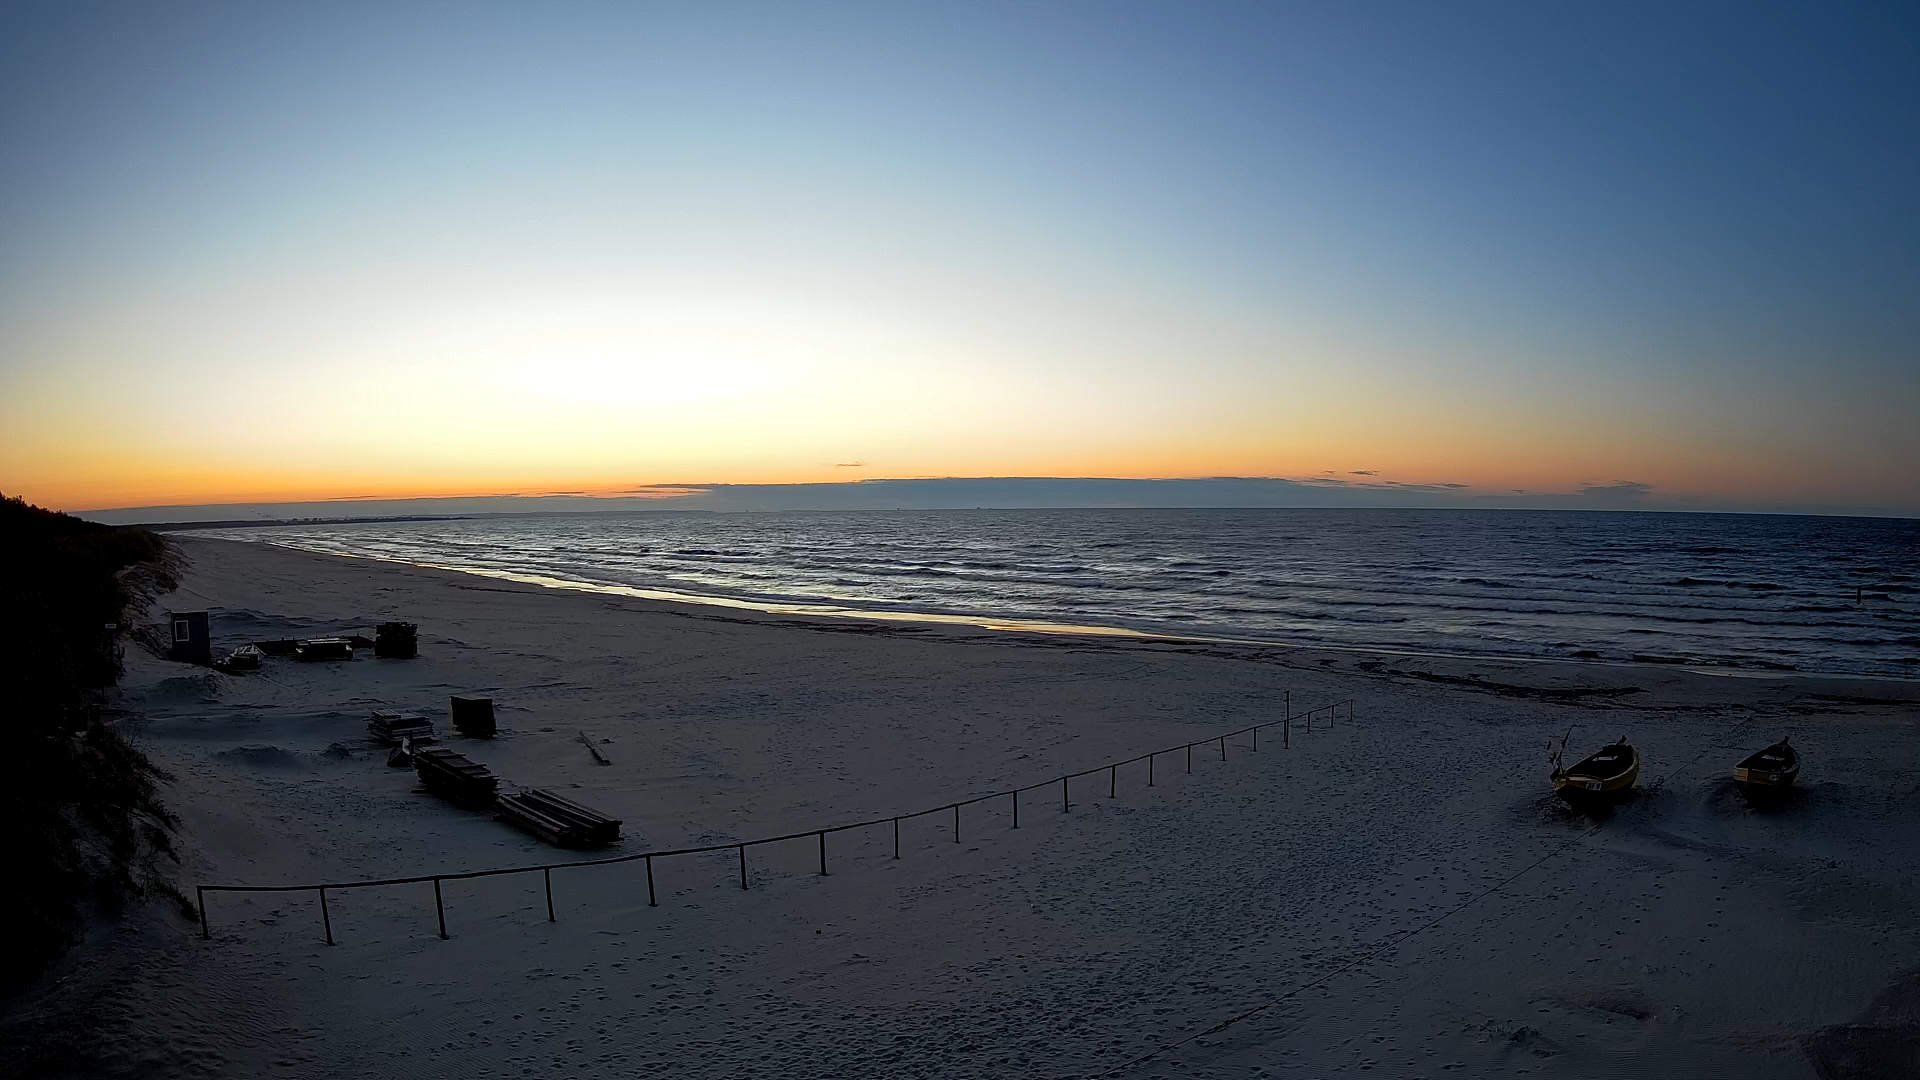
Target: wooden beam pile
<point>560,822</point>
<point>451,776</point>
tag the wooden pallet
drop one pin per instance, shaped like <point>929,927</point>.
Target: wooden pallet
<point>324,648</point>
<point>454,778</point>
<point>390,728</point>
<point>560,822</point>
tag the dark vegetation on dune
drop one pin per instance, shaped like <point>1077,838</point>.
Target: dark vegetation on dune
<point>84,826</point>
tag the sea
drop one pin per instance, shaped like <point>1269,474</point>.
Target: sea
<point>1740,593</point>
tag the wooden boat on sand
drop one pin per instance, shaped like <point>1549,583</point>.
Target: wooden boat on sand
<point>1602,778</point>
<point>1768,774</point>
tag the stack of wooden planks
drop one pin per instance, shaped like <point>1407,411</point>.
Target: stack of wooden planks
<point>451,776</point>
<point>560,822</point>
<point>391,727</point>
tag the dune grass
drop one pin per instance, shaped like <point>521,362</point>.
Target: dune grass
<point>79,806</point>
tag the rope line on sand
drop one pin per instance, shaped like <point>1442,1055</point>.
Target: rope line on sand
<point>1404,935</point>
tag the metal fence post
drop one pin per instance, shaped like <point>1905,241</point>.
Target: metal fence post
<point>1256,738</point>
<point>1015,796</point>
<point>325,922</point>
<point>1286,722</point>
<point>1065,806</point>
<point>1189,757</point>
<point>546,873</point>
<point>651,902</point>
<point>896,838</point>
<point>823,853</point>
<point>956,823</point>
<point>1149,770</point>
<point>1223,748</point>
<point>440,909</point>
<point>1113,782</point>
<point>200,899</point>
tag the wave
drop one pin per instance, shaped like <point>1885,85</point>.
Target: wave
<point>1734,591</point>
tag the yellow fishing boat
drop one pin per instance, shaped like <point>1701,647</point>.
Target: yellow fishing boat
<point>1603,777</point>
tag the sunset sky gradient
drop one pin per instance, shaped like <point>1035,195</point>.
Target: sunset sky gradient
<point>264,251</point>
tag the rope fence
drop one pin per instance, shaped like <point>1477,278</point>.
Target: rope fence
<point>1112,769</point>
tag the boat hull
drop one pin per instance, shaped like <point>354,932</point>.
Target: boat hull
<point>1581,789</point>
<point>1770,775</point>
<point>1765,787</point>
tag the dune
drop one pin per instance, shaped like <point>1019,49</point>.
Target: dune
<point>1397,894</point>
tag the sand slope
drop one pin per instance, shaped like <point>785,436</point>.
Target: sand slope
<point>1066,947</point>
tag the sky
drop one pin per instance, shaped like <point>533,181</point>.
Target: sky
<point>270,252</point>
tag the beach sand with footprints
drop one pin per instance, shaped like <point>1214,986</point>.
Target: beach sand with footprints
<point>1399,890</point>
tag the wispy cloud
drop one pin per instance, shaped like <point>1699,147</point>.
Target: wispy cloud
<point>1618,490</point>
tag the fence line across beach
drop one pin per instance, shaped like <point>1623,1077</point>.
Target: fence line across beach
<point>1112,769</point>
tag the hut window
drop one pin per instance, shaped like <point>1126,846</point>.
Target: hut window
<point>180,632</point>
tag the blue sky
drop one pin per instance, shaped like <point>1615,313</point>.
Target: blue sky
<point>275,251</point>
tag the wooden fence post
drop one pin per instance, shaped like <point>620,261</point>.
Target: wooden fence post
<point>440,909</point>
<point>325,921</point>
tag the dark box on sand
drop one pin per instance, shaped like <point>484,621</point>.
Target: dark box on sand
<point>397,641</point>
<point>473,716</point>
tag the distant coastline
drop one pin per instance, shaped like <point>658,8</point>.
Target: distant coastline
<point>257,523</point>
<point>985,493</point>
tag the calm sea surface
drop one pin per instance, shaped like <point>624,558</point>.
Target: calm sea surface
<point>1752,592</point>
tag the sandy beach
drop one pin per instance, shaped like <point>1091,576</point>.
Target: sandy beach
<point>1684,935</point>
